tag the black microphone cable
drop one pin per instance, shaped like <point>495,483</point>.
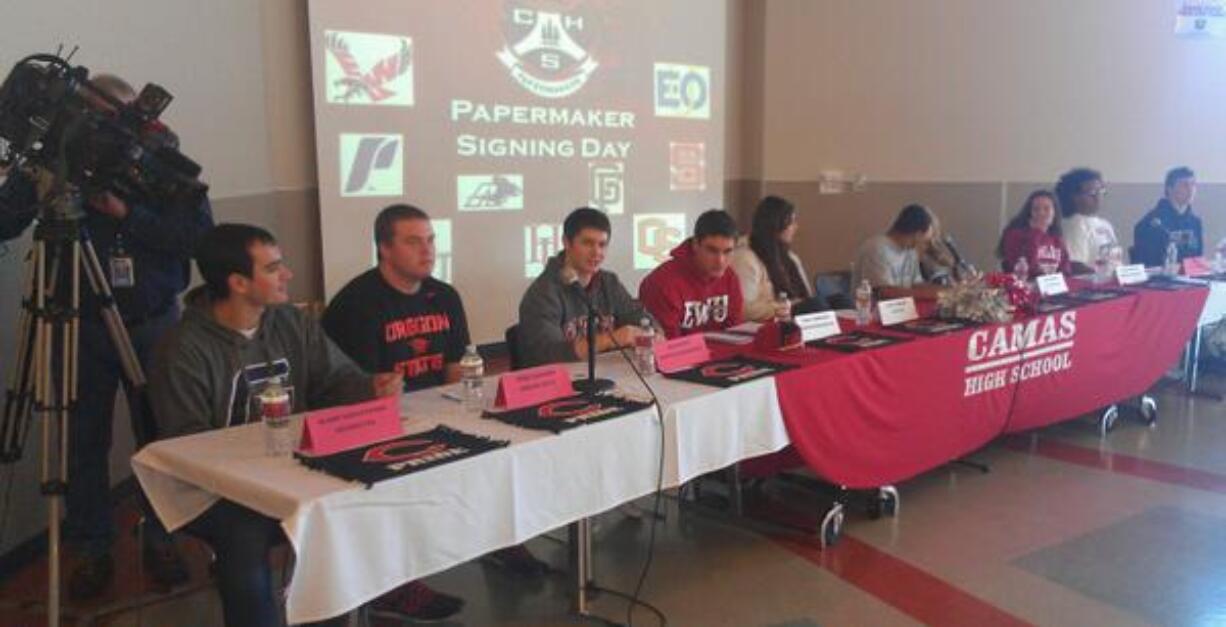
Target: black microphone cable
<point>635,598</point>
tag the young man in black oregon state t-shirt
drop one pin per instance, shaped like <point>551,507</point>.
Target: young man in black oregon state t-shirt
<point>396,317</point>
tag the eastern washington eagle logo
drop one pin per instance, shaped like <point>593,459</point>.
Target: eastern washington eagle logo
<point>369,69</point>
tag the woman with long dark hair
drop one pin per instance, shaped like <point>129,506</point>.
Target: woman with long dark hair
<point>767,266</point>
<point>1034,235</point>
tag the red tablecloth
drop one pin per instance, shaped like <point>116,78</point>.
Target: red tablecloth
<point>878,417</point>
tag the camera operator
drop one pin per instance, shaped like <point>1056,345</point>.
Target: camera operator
<point>144,250</point>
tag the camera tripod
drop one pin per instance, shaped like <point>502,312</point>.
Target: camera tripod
<point>43,381</point>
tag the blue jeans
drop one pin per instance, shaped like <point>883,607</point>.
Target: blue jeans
<point>88,522</point>
<point>241,538</point>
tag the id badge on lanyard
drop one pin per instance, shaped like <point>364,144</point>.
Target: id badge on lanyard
<point>123,268</point>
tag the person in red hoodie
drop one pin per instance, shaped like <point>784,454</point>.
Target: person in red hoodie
<point>697,290</point>
<point>1034,235</point>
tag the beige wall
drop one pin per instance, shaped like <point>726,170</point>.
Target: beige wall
<point>966,106</point>
<point>988,90</point>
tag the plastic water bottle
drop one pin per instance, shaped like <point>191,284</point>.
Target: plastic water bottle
<point>864,303</point>
<point>1021,270</point>
<point>781,301</point>
<point>1217,262</point>
<point>644,348</point>
<point>275,409</point>
<point>1171,267</point>
<point>472,373</point>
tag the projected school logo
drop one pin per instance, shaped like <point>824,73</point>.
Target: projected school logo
<point>371,165</point>
<point>654,235</point>
<point>442,250</point>
<point>492,192</point>
<point>541,241</point>
<point>545,58</point>
<point>683,91</point>
<point>608,186</point>
<point>687,167</point>
<point>367,69</point>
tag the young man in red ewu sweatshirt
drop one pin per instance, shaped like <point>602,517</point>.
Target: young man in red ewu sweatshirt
<point>696,290</point>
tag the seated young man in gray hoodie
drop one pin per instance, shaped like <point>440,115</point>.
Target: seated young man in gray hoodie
<point>553,315</point>
<point>237,334</point>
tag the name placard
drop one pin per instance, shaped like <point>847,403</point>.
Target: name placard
<point>1052,284</point>
<point>681,353</point>
<point>531,386</point>
<point>897,310</point>
<point>1196,266</point>
<point>337,429</point>
<point>1131,274</point>
<point>816,326</point>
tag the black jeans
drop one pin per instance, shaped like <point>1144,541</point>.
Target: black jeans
<point>241,538</point>
<point>88,522</point>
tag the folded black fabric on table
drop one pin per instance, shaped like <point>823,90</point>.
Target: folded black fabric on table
<point>726,373</point>
<point>404,455</point>
<point>1167,284</point>
<point>933,326</point>
<point>570,412</point>
<point>856,341</point>
<point>1092,295</point>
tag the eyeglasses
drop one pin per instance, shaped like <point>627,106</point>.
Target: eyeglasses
<point>1099,192</point>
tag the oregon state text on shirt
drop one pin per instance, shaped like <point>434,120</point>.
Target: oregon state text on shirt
<point>409,330</point>
<point>699,312</point>
<point>1011,353</point>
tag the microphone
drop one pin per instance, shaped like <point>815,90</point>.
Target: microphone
<point>591,385</point>
<point>959,262</point>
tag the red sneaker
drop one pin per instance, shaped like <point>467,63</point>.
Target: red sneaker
<point>417,602</point>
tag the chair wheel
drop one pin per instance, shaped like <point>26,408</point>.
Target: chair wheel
<point>1149,410</point>
<point>1107,421</point>
<point>832,525</point>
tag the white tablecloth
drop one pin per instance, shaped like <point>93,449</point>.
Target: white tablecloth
<point>353,544</point>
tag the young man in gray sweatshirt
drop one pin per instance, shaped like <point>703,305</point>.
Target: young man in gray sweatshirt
<point>553,314</point>
<point>237,334</point>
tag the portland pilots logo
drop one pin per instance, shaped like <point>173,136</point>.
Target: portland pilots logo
<point>368,69</point>
<point>543,51</point>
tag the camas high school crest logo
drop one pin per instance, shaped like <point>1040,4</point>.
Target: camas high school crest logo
<point>544,51</point>
<point>367,69</point>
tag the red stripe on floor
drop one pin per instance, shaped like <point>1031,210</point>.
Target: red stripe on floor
<point>1120,463</point>
<point>907,588</point>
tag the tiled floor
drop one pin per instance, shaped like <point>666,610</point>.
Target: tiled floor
<point>1066,529</point>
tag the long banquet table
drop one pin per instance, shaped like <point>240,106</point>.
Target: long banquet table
<point>860,420</point>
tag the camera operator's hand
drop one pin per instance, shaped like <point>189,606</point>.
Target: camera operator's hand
<point>109,204</point>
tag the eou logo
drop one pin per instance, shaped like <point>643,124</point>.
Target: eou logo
<point>682,91</point>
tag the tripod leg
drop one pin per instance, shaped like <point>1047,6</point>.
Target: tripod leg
<point>48,406</point>
<point>19,395</point>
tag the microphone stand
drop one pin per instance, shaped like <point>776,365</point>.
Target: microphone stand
<point>960,265</point>
<point>591,385</point>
